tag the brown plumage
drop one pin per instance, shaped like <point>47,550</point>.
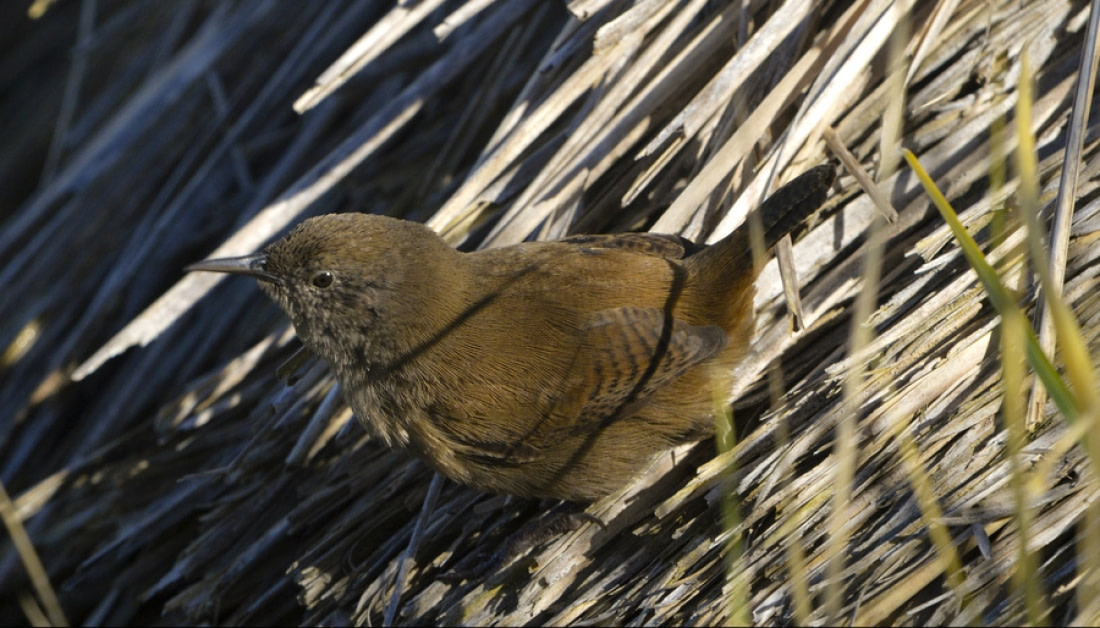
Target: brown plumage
<point>545,369</point>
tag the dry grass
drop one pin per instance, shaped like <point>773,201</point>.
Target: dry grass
<point>883,470</point>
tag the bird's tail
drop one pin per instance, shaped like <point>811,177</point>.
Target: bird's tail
<point>719,264</point>
<point>722,276</point>
<point>791,204</point>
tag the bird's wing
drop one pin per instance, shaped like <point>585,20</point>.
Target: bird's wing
<point>626,355</point>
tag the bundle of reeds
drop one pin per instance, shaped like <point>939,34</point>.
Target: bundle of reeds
<point>894,461</point>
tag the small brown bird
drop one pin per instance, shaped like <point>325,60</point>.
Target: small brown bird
<point>544,369</point>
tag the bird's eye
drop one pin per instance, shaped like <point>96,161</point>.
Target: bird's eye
<point>322,279</point>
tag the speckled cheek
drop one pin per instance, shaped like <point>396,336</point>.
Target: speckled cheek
<point>353,301</point>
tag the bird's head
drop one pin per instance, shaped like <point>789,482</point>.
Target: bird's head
<point>352,283</point>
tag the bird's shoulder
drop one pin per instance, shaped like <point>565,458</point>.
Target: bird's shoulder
<point>592,272</point>
<point>663,245</point>
<point>622,246</point>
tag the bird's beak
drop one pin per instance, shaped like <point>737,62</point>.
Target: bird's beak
<point>254,265</point>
